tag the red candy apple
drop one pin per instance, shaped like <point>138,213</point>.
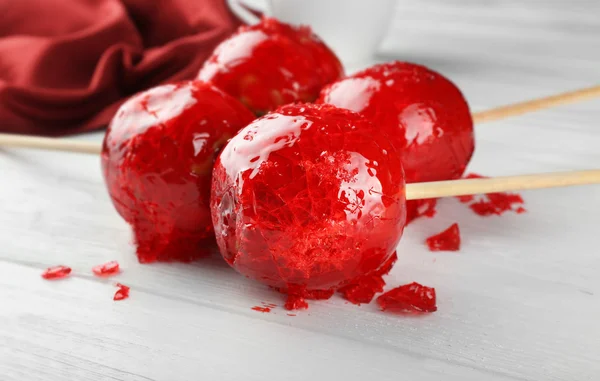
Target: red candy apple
<point>157,161</point>
<point>424,114</point>
<point>307,199</point>
<point>270,64</point>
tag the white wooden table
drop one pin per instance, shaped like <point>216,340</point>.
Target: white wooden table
<point>520,301</point>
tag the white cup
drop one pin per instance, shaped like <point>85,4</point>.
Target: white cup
<point>353,29</point>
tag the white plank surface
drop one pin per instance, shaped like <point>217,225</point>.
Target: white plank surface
<point>520,301</point>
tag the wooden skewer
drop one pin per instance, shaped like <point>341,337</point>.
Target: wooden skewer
<point>500,184</point>
<point>70,145</point>
<point>51,144</point>
<point>536,104</point>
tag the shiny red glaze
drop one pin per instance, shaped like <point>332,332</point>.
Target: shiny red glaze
<point>56,272</point>
<point>261,309</point>
<point>424,114</point>
<point>122,292</point>
<point>295,302</point>
<point>409,298</point>
<point>157,161</point>
<point>270,64</point>
<point>308,198</point>
<point>448,240</point>
<point>106,269</point>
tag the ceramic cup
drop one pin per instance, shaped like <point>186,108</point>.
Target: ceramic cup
<point>352,28</point>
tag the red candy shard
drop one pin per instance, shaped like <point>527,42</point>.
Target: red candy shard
<point>424,114</point>
<point>466,198</point>
<point>448,240</point>
<point>295,302</point>
<point>270,64</point>
<point>106,269</point>
<point>410,298</point>
<point>262,309</point>
<point>420,208</point>
<point>307,199</point>
<point>475,176</point>
<point>122,292</point>
<point>363,289</point>
<point>157,160</point>
<point>56,272</point>
<point>492,203</point>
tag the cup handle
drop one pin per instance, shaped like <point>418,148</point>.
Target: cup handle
<point>241,11</point>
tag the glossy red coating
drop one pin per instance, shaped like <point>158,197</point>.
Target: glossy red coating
<point>424,114</point>
<point>56,272</point>
<point>106,269</point>
<point>410,298</point>
<point>308,199</point>
<point>122,292</point>
<point>271,64</point>
<point>157,161</point>
<point>448,240</point>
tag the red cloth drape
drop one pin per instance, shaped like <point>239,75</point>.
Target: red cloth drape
<point>67,65</point>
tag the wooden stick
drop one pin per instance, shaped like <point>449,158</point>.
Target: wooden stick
<point>52,144</point>
<point>535,105</point>
<point>500,184</point>
<point>55,144</point>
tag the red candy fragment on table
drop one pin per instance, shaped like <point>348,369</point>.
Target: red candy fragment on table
<point>492,203</point>
<point>122,292</point>
<point>56,272</point>
<point>363,289</point>
<point>106,269</point>
<point>420,208</point>
<point>262,309</point>
<point>295,302</point>
<point>410,298</point>
<point>308,199</point>
<point>157,160</point>
<point>448,240</point>
<point>270,64</point>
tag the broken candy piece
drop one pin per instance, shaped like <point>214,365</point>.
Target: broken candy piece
<point>295,302</point>
<point>409,298</point>
<point>106,269</point>
<point>448,240</point>
<point>122,292</point>
<point>420,208</point>
<point>56,272</point>
<point>262,309</point>
<point>363,290</point>
<point>498,203</point>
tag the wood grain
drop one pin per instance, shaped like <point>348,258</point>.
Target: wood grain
<point>520,301</point>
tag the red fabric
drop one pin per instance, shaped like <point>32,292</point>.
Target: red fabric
<point>67,65</point>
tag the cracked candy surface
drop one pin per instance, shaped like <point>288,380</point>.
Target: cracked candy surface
<point>157,161</point>
<point>424,114</point>
<point>271,64</point>
<point>307,199</point>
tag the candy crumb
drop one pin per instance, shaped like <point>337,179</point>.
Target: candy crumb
<point>56,272</point>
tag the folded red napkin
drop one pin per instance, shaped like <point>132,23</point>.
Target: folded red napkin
<point>67,65</point>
